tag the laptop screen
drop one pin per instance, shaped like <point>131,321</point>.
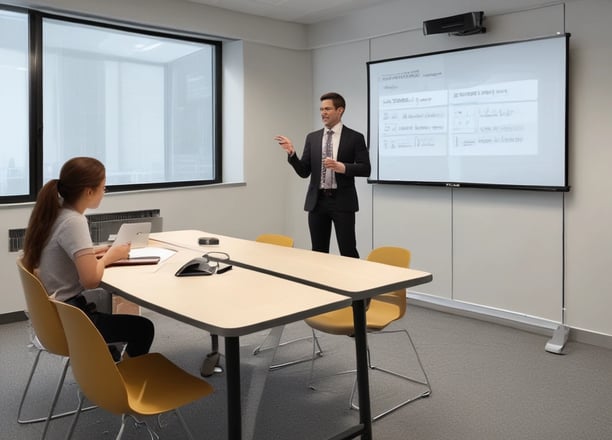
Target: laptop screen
<point>135,233</point>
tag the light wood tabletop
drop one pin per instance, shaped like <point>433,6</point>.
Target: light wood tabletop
<point>357,278</point>
<point>269,286</point>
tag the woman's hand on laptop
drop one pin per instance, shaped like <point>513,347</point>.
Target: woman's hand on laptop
<point>117,252</point>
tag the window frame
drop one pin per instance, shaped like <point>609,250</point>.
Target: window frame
<point>35,97</point>
<point>31,130</point>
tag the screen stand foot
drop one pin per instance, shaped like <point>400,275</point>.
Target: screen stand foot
<point>558,340</point>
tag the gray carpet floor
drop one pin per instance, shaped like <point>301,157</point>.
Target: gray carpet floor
<point>489,382</point>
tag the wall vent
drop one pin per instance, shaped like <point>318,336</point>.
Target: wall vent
<point>125,215</point>
<point>16,237</point>
<point>100,225</point>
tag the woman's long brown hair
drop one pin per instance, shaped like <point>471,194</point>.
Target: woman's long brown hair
<point>76,175</point>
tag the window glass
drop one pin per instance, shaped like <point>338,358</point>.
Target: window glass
<point>14,76</point>
<point>142,104</point>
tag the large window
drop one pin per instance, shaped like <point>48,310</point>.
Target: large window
<point>14,127</point>
<point>145,103</point>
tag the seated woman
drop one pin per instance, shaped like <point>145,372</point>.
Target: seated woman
<point>59,249</point>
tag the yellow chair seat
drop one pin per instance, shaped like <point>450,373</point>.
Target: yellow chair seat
<point>336,322</point>
<point>161,389</point>
<point>340,322</point>
<point>381,314</point>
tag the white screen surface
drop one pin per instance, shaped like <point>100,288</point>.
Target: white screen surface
<point>491,115</point>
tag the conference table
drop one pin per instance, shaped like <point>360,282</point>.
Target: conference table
<point>269,286</point>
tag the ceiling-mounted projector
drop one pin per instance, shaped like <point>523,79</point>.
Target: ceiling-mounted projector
<point>463,24</point>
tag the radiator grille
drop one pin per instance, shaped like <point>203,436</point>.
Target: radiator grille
<point>124,215</point>
<point>100,225</point>
<point>103,225</point>
<point>16,237</point>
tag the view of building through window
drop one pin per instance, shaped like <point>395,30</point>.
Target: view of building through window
<point>144,103</point>
<point>14,75</point>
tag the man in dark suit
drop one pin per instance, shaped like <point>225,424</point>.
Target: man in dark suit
<point>332,157</point>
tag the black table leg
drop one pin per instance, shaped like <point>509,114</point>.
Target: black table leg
<point>232,371</point>
<point>363,382</point>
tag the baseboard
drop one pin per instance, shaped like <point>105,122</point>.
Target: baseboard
<point>7,318</point>
<point>510,319</point>
<point>515,320</point>
<point>591,338</point>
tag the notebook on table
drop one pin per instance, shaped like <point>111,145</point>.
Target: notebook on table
<point>131,261</point>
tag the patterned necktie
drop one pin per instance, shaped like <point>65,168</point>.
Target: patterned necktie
<point>327,175</point>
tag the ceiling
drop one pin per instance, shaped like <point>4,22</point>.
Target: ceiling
<point>315,11</point>
<point>297,11</point>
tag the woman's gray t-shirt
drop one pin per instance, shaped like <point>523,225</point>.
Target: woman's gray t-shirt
<point>57,269</point>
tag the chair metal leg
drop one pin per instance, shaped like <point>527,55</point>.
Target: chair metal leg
<point>317,351</point>
<point>425,393</point>
<point>185,427</point>
<point>77,413</point>
<point>58,390</point>
<point>262,347</point>
<point>50,416</point>
<point>313,357</point>
<point>122,427</point>
<point>25,392</point>
<point>152,434</point>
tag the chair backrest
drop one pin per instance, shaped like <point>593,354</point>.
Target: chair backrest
<point>42,313</point>
<point>394,256</point>
<point>92,364</point>
<point>278,239</point>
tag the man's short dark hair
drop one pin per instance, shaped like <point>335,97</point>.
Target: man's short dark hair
<point>336,98</point>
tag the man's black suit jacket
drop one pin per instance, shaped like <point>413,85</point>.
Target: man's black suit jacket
<point>352,151</point>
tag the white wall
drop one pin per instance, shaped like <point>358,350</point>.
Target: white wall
<point>476,242</point>
<point>589,210</point>
<point>499,249</point>
<point>504,250</point>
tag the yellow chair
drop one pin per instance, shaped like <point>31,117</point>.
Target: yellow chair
<point>281,240</point>
<point>50,334</point>
<point>382,311</point>
<point>140,386</point>
<point>278,239</point>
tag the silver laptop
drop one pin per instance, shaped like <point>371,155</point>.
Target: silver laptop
<point>135,233</point>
